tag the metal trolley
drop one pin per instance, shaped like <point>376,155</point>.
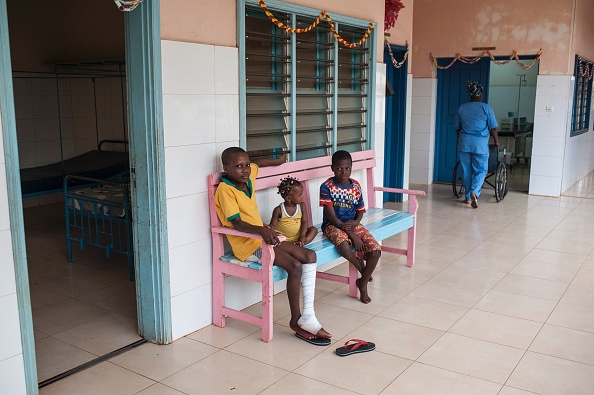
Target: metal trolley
<point>497,168</point>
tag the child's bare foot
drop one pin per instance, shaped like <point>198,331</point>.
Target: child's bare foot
<point>361,266</point>
<point>363,291</point>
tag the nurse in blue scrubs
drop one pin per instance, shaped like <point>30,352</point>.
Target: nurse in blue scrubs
<point>475,122</point>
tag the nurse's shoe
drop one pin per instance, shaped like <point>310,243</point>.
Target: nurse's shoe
<point>473,200</point>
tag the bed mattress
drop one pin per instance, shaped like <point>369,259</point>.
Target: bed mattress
<point>94,164</point>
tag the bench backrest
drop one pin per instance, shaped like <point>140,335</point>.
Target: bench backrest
<point>303,170</point>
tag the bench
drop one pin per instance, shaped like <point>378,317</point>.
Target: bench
<point>381,222</point>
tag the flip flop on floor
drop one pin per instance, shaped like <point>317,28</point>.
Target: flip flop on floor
<point>317,341</point>
<point>357,347</point>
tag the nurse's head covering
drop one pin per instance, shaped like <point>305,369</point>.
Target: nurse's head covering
<point>474,89</point>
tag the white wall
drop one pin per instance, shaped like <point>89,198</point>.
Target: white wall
<point>39,121</point>
<point>201,118</point>
<point>422,134</point>
<point>550,134</point>
<point>12,371</point>
<point>408,131</point>
<point>579,150</point>
<point>380,129</point>
<point>80,119</point>
<point>558,161</point>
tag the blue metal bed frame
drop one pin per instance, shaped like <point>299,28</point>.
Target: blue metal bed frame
<point>98,222</point>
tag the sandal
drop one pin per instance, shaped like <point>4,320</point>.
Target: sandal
<point>473,200</point>
<point>357,347</point>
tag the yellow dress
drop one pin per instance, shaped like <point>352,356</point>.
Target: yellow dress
<point>289,226</point>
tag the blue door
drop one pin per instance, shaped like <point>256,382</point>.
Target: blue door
<point>395,123</point>
<point>451,92</point>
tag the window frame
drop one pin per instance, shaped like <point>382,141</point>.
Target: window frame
<point>303,11</point>
<point>583,102</point>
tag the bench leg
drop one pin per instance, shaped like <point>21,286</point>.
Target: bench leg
<point>410,254</point>
<point>218,296</point>
<point>353,275</point>
<point>267,311</point>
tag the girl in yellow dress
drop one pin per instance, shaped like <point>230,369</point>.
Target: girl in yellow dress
<point>290,217</point>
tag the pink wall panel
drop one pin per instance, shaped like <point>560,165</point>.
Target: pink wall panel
<point>583,43</point>
<point>447,27</point>
<point>214,22</point>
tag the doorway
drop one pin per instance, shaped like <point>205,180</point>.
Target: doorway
<point>395,133</point>
<point>511,92</point>
<point>145,132</point>
<point>451,93</point>
<point>69,84</point>
<point>512,95</point>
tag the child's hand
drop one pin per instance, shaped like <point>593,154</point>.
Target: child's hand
<point>357,243</point>
<point>349,225</point>
<point>269,236</point>
<point>302,241</point>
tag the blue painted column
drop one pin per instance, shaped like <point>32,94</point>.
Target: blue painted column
<point>15,205</point>
<point>145,133</point>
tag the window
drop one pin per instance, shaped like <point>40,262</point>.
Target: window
<point>304,93</point>
<point>582,97</point>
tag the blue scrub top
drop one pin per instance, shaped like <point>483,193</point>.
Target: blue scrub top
<point>474,120</point>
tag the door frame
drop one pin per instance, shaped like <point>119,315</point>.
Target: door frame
<point>145,126</point>
<point>147,171</point>
<point>15,205</point>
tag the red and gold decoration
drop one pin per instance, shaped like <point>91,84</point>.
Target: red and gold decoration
<point>322,15</point>
<point>392,9</point>
<point>127,5</point>
<point>463,59</point>
<point>586,68</point>
<point>396,63</point>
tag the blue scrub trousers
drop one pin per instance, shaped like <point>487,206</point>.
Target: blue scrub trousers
<point>475,169</point>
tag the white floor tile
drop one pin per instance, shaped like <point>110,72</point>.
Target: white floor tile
<point>487,285</point>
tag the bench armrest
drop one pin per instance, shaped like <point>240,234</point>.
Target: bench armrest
<point>235,232</point>
<point>268,256</point>
<point>413,204</point>
<point>398,190</point>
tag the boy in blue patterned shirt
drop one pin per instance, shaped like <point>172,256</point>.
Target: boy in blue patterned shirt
<point>342,199</point>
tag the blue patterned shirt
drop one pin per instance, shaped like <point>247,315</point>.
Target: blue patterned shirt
<point>347,200</point>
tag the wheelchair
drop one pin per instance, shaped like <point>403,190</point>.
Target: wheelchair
<point>497,168</point>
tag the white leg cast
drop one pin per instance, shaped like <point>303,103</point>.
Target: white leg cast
<point>308,320</point>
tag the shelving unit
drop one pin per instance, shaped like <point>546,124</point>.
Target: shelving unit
<point>515,124</point>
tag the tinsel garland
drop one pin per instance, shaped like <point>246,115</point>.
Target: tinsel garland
<point>322,15</point>
<point>588,69</point>
<point>394,61</point>
<point>466,60</point>
<point>127,5</point>
<point>392,9</point>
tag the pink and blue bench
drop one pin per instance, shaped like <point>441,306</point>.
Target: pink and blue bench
<point>381,222</point>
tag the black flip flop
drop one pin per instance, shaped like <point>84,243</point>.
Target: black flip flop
<point>316,341</point>
<point>357,347</point>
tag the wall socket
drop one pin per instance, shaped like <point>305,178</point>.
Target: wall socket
<point>549,108</point>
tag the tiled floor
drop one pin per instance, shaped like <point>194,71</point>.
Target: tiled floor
<point>498,302</point>
<point>81,310</point>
